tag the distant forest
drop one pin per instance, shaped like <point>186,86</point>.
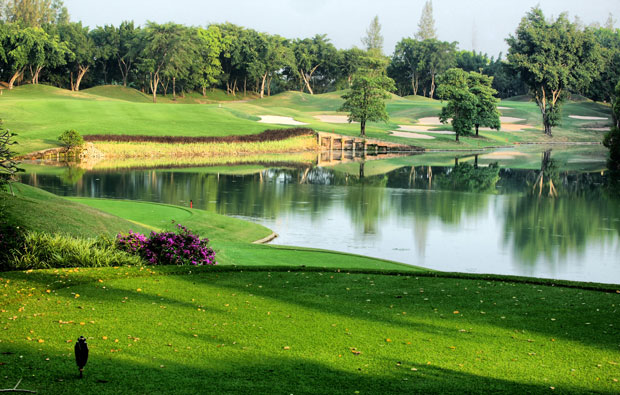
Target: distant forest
<point>40,44</point>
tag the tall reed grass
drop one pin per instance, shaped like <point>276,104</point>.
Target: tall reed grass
<point>44,251</point>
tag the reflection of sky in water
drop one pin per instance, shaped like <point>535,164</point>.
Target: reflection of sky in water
<point>442,230</point>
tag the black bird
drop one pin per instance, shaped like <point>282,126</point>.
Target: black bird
<point>81,353</point>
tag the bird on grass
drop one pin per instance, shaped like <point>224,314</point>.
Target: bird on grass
<point>81,353</point>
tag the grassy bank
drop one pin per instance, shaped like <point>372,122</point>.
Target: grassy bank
<point>40,113</point>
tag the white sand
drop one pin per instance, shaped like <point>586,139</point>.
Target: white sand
<point>418,128</point>
<point>429,121</point>
<point>410,135</point>
<point>588,118</point>
<point>510,119</point>
<point>279,120</point>
<point>504,108</point>
<point>333,118</point>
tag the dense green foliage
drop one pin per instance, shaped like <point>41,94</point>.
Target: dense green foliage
<point>8,165</point>
<point>470,101</point>
<point>71,139</point>
<point>552,58</point>
<point>40,45</point>
<point>365,102</point>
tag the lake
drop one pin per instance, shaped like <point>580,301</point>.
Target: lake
<point>533,211</point>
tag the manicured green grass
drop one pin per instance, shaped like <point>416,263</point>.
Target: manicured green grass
<point>216,227</point>
<point>40,113</point>
<point>218,331</point>
<point>37,210</point>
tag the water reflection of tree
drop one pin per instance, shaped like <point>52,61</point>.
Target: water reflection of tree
<point>559,214</point>
<point>365,200</point>
<point>468,178</point>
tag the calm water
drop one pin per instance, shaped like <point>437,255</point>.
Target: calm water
<point>448,217</point>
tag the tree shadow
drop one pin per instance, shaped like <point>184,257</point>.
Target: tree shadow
<point>113,373</point>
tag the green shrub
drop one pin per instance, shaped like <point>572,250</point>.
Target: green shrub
<point>44,251</point>
<point>71,139</point>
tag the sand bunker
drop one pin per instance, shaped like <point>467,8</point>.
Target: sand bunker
<point>333,118</point>
<point>410,135</point>
<point>588,118</point>
<point>418,128</point>
<point>279,120</point>
<point>429,121</point>
<point>510,119</point>
<point>504,108</point>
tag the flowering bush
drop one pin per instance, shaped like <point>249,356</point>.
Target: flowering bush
<point>169,248</point>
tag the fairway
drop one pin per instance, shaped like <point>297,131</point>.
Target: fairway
<point>39,114</point>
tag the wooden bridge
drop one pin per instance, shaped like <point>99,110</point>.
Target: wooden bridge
<point>338,142</point>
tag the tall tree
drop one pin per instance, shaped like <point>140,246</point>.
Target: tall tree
<point>207,61</point>
<point>82,47</point>
<point>408,65</point>
<point>461,104</point>
<point>36,13</point>
<point>603,86</point>
<point>485,110</point>
<point>161,51</point>
<point>426,26</point>
<point>553,58</point>
<point>373,40</point>
<point>365,102</point>
<point>312,55</point>
<point>440,56</point>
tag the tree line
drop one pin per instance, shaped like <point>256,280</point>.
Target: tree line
<point>39,44</point>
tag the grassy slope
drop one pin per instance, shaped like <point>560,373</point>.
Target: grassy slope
<point>40,113</point>
<point>35,209</point>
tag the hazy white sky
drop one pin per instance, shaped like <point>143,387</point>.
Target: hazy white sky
<point>480,23</point>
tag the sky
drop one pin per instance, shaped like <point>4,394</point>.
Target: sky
<point>481,25</point>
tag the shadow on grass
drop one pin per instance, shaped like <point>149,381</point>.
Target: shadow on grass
<point>116,373</point>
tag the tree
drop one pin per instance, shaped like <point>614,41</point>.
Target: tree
<point>82,47</point>
<point>365,101</point>
<point>603,86</point>
<point>8,165</point>
<point>461,104</point>
<point>485,110</point>
<point>440,56</point>
<point>106,43</point>
<point>408,65</point>
<point>426,26</point>
<point>71,139</point>
<point>373,40</point>
<point>208,66</point>
<point>350,62</point>
<point>36,13</point>
<point>314,55</point>
<point>162,52</point>
<point>553,58</point>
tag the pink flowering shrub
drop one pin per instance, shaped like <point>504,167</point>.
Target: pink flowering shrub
<point>169,248</point>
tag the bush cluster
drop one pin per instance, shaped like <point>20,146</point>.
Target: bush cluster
<point>168,248</point>
<point>34,250</point>
<point>267,135</point>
